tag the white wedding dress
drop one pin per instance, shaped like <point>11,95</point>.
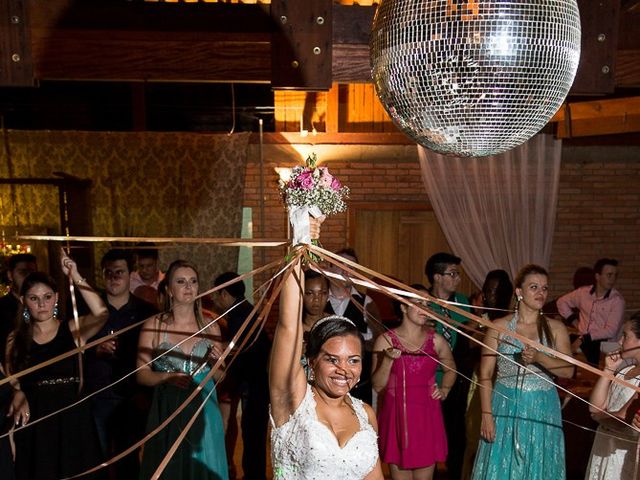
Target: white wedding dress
<point>305,449</point>
<point>613,455</point>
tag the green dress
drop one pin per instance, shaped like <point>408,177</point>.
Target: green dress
<point>201,455</point>
<point>529,440</point>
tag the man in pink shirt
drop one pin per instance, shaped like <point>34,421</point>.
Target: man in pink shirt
<point>599,308</point>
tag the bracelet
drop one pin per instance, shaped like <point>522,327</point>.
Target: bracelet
<point>81,281</point>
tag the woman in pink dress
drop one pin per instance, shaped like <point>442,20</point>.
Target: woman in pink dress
<point>411,430</point>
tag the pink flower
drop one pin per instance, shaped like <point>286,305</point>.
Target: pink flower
<point>305,180</point>
<point>335,184</point>
<point>326,179</point>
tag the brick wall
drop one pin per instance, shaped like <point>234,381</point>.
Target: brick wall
<point>598,204</point>
<point>598,215</point>
<point>373,173</point>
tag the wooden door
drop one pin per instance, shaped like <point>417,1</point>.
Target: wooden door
<point>399,242</point>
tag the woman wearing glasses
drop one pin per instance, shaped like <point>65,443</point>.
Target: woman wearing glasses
<point>412,435</point>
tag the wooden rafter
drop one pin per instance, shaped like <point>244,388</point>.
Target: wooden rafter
<point>221,42</point>
<point>598,117</point>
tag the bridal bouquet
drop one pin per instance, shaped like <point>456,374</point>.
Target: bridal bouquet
<point>311,190</point>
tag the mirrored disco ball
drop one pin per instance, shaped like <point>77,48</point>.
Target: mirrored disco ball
<point>474,78</point>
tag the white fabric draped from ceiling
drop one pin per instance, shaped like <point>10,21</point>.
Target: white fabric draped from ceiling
<point>498,211</point>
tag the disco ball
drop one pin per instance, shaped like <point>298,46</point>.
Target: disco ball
<point>474,78</point>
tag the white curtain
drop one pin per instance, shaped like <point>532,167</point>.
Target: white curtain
<point>499,211</point>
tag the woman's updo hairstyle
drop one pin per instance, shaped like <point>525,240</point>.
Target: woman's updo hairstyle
<point>530,269</point>
<point>327,328</point>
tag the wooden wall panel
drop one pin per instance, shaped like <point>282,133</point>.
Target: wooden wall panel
<point>361,110</point>
<point>297,111</point>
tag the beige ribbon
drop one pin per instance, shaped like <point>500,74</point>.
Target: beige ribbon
<point>226,242</point>
<point>261,320</point>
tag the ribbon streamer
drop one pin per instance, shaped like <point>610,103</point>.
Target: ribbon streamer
<point>395,293</point>
<point>455,325</point>
<point>413,293</point>
<point>190,398</point>
<point>225,242</point>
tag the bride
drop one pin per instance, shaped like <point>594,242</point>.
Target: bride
<point>318,428</point>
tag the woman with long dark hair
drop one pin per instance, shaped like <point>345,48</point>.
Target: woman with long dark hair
<point>175,371</point>
<point>521,425</point>
<point>65,443</point>
<point>495,298</point>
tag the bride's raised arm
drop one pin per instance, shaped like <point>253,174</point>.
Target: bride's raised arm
<point>287,380</point>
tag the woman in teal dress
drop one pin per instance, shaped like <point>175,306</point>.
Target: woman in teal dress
<point>521,426</point>
<point>174,376</point>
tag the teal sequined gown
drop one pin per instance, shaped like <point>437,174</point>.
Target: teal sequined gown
<point>529,440</point>
<point>201,454</point>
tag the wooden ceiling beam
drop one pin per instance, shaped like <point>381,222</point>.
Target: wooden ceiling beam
<point>148,41</point>
<point>598,117</point>
<point>632,6</point>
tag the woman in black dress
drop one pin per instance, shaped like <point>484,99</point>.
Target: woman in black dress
<point>66,443</point>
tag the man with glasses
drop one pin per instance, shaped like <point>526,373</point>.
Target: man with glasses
<point>443,273</point>
<point>119,411</point>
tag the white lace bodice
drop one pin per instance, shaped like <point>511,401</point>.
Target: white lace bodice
<point>619,395</point>
<point>305,449</point>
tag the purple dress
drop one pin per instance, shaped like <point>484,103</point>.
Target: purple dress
<point>411,429</point>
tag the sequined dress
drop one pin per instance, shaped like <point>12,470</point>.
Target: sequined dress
<point>305,449</point>
<point>201,454</point>
<point>613,455</point>
<point>529,441</point>
<point>411,427</point>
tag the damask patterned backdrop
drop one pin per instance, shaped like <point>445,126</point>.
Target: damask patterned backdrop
<point>144,184</point>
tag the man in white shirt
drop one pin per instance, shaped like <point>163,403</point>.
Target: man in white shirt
<point>347,301</point>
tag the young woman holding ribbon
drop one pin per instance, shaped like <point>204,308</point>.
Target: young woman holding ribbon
<point>613,455</point>
<point>521,426</point>
<point>175,369</point>
<point>405,360</point>
<point>65,443</point>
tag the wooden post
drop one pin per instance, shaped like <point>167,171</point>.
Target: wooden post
<point>302,44</point>
<point>599,22</point>
<point>16,66</point>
